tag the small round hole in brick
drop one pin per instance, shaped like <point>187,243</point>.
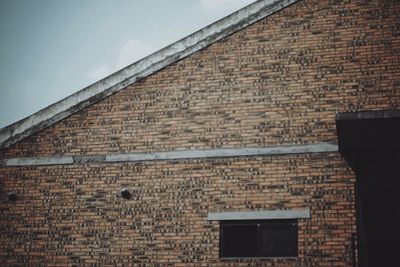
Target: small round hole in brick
<point>12,196</point>
<point>125,193</point>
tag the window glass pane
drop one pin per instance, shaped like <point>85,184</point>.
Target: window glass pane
<point>263,238</point>
<point>278,239</point>
<point>239,240</point>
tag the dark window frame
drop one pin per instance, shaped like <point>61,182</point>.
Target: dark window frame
<point>290,224</point>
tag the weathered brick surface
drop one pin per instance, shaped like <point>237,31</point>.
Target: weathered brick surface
<point>279,81</point>
<point>74,215</point>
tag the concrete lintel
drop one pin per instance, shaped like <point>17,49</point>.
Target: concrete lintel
<point>38,161</point>
<point>140,69</point>
<point>260,215</point>
<point>371,114</point>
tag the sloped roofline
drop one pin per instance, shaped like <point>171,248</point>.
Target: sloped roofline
<point>113,83</point>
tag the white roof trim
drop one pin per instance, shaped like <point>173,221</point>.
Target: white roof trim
<point>140,69</point>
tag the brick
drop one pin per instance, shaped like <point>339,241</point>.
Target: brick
<point>279,81</point>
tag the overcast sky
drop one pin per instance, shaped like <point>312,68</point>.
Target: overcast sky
<point>50,49</point>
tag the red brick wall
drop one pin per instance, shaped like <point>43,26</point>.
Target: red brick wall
<point>279,81</point>
<point>73,214</point>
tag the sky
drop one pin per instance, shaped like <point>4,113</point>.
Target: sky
<point>50,49</point>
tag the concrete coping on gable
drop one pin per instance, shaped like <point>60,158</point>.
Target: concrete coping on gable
<point>140,69</point>
<point>260,215</point>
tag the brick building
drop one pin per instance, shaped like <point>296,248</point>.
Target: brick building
<point>268,138</point>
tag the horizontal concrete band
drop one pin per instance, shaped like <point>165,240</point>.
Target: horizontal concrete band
<point>372,114</point>
<point>259,215</point>
<point>38,161</point>
<point>175,155</point>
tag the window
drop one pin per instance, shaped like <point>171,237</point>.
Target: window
<point>262,233</point>
<point>258,238</point>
